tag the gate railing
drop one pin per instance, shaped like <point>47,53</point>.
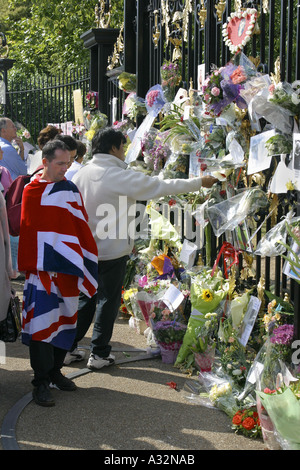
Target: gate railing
<point>45,99</point>
<point>192,30</point>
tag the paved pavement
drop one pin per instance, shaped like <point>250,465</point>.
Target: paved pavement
<point>124,407</point>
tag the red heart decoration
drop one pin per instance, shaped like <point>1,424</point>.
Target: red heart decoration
<point>238,30</point>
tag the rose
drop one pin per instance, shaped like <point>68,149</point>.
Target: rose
<point>238,76</point>
<point>215,91</point>
<point>237,419</point>
<point>248,423</point>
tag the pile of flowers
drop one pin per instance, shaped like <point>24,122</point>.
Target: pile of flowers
<point>224,311</point>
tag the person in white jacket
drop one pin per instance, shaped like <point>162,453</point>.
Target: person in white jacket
<point>110,192</point>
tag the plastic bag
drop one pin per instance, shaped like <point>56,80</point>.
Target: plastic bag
<point>228,214</point>
<point>270,245</point>
<point>220,392</point>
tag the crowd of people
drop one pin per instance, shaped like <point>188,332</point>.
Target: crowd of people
<point>74,244</point>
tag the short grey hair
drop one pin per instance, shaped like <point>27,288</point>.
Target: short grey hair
<point>3,123</point>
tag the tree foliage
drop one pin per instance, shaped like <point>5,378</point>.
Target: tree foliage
<point>44,36</point>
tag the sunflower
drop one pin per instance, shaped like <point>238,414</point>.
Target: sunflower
<point>207,295</point>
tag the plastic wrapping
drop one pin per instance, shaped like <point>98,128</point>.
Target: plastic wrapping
<point>155,149</point>
<point>228,214</point>
<point>279,406</point>
<point>155,100</point>
<point>271,243</point>
<point>220,392</point>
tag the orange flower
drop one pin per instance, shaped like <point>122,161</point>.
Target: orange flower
<point>248,423</point>
<point>238,76</point>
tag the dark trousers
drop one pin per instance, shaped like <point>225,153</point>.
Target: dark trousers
<point>46,361</point>
<point>105,305</point>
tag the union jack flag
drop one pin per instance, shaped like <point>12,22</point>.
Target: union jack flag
<point>59,254</point>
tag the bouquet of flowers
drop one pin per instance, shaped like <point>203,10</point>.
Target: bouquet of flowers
<point>169,72</point>
<point>169,333</point>
<point>286,96</point>
<point>204,346</point>
<point>207,290</point>
<point>134,106</point>
<point>223,87</point>
<point>92,99</point>
<point>155,100</point>
<point>93,121</point>
<point>283,407</point>
<point>220,392</point>
<point>127,82</point>
<point>279,144</point>
<point>228,214</point>
<point>273,243</point>
<point>246,421</point>
<point>169,336</point>
<point>154,149</point>
<point>292,258</point>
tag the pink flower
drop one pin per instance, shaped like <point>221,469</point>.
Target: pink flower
<point>215,91</point>
<point>271,88</point>
<point>143,281</point>
<point>206,97</point>
<point>151,97</point>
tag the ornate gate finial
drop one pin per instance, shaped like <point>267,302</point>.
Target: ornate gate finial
<point>102,14</point>
<point>3,46</point>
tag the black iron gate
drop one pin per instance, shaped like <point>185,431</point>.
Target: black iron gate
<point>191,30</point>
<point>45,99</point>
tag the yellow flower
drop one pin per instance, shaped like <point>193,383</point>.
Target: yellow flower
<point>290,186</point>
<point>90,134</point>
<point>207,295</point>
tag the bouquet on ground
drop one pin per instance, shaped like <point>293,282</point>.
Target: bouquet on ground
<point>169,336</point>
<point>150,295</point>
<point>247,422</point>
<point>220,391</point>
<point>170,76</point>
<point>169,333</point>
<point>283,407</point>
<point>130,301</point>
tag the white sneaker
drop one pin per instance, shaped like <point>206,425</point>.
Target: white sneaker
<point>74,356</point>
<point>96,362</point>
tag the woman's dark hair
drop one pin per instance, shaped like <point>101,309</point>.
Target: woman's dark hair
<point>105,139</point>
<point>68,140</point>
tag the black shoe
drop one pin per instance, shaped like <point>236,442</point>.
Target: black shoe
<point>42,395</point>
<point>62,383</point>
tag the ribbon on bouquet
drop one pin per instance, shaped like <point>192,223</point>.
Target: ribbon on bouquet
<point>229,253</point>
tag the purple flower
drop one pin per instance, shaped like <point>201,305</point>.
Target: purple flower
<point>283,335</point>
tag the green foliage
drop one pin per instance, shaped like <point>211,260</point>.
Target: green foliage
<point>44,36</point>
